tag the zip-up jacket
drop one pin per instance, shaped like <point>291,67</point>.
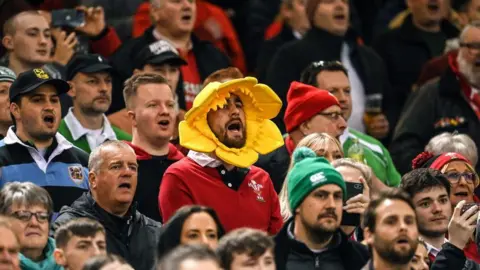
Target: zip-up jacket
<point>133,237</point>
<point>63,171</point>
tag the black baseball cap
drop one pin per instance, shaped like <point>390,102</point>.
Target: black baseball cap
<point>30,80</point>
<point>157,53</point>
<point>87,63</point>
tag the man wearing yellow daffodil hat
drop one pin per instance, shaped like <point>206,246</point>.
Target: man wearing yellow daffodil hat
<point>226,130</point>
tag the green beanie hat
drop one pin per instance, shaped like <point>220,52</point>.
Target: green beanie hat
<point>308,173</point>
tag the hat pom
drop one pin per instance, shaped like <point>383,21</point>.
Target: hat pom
<point>301,153</point>
<point>421,159</point>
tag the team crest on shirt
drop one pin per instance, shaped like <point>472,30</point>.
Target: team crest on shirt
<point>257,188</point>
<point>76,174</point>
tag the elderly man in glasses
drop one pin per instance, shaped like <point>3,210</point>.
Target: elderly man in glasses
<point>32,207</point>
<point>309,110</point>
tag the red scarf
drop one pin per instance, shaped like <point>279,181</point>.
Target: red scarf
<point>471,95</point>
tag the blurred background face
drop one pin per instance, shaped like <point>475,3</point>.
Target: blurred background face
<point>420,260</point>
<point>116,180</point>
<point>169,72</point>
<point>329,121</point>
<point>246,262</point>
<point>468,58</point>
<point>396,236</point>
<point>350,174</point>
<point>177,17</point>
<point>428,12</point>
<point>34,231</point>
<point>434,211</point>
<point>92,93</point>
<point>32,42</point>
<point>337,83</point>
<point>294,12</point>
<point>39,113</point>
<point>332,16</point>
<point>200,228</point>
<point>321,210</point>
<point>463,181</point>
<point>472,12</point>
<point>9,249</point>
<point>80,249</point>
<point>154,112</point>
<point>5,103</point>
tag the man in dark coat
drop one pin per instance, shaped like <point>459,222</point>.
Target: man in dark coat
<point>113,181</point>
<point>406,49</point>
<point>312,238</point>
<point>448,104</point>
<point>329,40</point>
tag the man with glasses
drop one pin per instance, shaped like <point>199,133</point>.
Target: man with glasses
<point>333,77</point>
<point>309,110</point>
<point>449,104</point>
<point>32,206</point>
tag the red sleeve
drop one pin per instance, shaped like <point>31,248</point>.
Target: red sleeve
<point>107,44</point>
<point>173,194</point>
<point>276,220</point>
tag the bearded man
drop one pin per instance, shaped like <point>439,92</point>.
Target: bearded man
<point>226,129</point>
<point>451,103</point>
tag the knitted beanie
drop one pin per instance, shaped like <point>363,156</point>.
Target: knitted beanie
<point>308,173</point>
<point>7,75</point>
<point>310,8</point>
<point>305,101</point>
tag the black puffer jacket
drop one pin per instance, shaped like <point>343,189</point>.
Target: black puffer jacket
<point>133,238</point>
<point>435,108</point>
<point>453,258</point>
<point>342,253</point>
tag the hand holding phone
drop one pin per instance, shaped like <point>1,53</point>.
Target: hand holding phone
<point>462,226</point>
<point>358,198</point>
<point>68,18</point>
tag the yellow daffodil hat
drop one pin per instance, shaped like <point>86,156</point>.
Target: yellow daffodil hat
<point>260,104</point>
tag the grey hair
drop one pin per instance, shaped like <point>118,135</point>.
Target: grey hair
<point>362,168</point>
<point>454,142</point>
<point>95,160</point>
<point>24,194</point>
<point>473,24</point>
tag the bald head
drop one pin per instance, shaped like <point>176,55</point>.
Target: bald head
<point>10,26</point>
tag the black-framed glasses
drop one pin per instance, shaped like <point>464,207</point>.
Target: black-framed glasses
<point>471,46</point>
<point>454,177</point>
<point>334,116</point>
<point>25,216</point>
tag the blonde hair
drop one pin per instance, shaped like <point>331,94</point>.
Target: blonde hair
<point>366,171</point>
<point>314,141</point>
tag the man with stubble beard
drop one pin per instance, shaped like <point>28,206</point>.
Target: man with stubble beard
<point>226,129</point>
<point>33,150</point>
<point>391,231</point>
<point>85,124</point>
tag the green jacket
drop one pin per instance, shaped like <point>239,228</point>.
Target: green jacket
<point>82,142</point>
<point>47,264</point>
<point>376,156</point>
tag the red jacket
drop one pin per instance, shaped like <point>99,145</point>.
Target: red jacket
<point>255,204</point>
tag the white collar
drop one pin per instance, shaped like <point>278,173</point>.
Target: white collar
<point>159,36</point>
<point>433,250</point>
<point>78,130</point>
<point>344,137</point>
<point>297,34</point>
<point>62,145</point>
<point>203,159</point>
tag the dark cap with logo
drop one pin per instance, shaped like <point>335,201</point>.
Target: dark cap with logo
<point>158,53</point>
<point>87,63</point>
<point>30,80</point>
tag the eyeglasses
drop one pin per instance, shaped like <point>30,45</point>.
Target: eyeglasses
<point>25,216</point>
<point>454,177</point>
<point>471,46</point>
<point>332,115</point>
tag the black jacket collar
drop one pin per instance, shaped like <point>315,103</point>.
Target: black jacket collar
<point>408,31</point>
